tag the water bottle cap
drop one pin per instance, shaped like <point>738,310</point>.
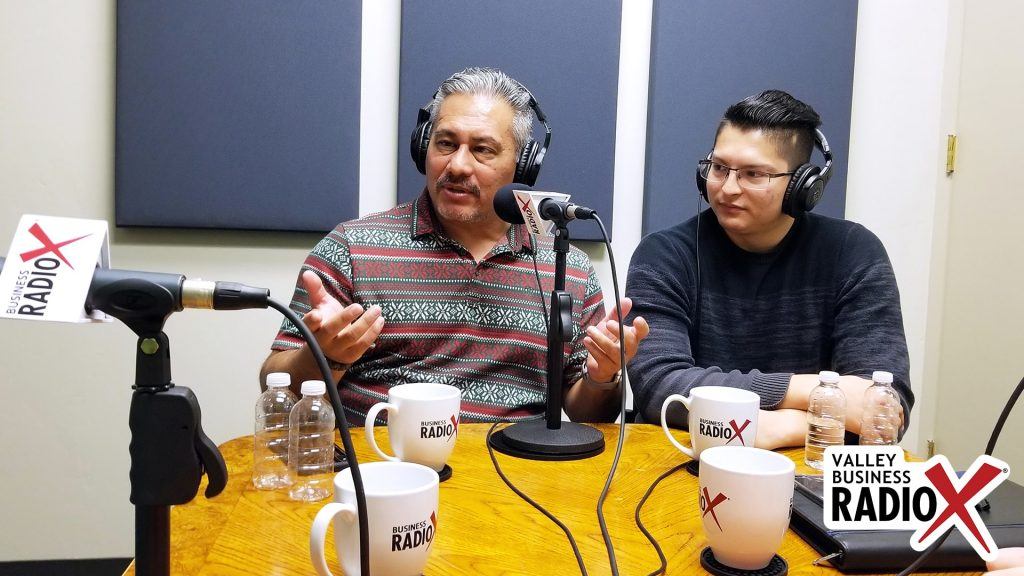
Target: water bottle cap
<point>313,388</point>
<point>828,376</point>
<point>882,376</point>
<point>279,379</point>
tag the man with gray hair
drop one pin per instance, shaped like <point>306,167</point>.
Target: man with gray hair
<point>442,290</point>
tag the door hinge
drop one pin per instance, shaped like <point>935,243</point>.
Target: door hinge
<point>931,448</point>
<point>950,153</point>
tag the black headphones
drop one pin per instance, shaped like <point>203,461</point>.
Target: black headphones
<point>806,185</point>
<point>530,157</point>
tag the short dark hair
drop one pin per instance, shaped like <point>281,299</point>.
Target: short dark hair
<point>789,122</point>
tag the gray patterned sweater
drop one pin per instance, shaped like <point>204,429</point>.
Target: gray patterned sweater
<point>824,299</point>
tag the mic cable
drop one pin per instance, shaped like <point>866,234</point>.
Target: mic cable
<point>532,502</point>
<point>342,424</point>
<point>640,505</point>
<point>622,421</point>
<point>996,430</point>
<point>640,524</point>
<point>494,459</point>
<point>622,409</point>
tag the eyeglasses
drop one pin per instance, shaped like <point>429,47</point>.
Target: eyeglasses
<point>747,178</point>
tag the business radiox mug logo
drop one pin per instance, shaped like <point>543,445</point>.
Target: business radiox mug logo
<point>708,504</point>
<point>409,536</point>
<point>731,431</point>
<point>446,429</point>
<point>874,488</point>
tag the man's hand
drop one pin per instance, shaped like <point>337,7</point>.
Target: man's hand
<point>1008,562</point>
<point>602,341</point>
<point>344,333</point>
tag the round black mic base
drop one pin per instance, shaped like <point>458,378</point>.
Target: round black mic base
<point>533,440</point>
<point>693,467</point>
<point>776,567</point>
<point>445,473</point>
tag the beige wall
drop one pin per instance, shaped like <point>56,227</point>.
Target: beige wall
<point>982,350</point>
<point>904,94</point>
<point>67,388</point>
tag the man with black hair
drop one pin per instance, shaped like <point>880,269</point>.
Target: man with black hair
<point>757,293</point>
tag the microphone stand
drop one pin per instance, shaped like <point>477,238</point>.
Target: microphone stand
<point>169,450</point>
<point>551,438</point>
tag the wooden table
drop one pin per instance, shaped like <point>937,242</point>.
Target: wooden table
<point>484,528</point>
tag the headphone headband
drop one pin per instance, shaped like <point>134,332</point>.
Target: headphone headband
<point>826,151</point>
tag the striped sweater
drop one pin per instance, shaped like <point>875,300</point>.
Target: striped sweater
<point>449,319</point>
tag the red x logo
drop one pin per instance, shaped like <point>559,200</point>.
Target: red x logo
<point>48,246</point>
<point>524,204</point>
<point>737,431</point>
<point>709,505</point>
<point>956,501</point>
<point>455,423</point>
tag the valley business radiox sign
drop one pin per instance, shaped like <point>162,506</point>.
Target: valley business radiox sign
<point>874,488</point>
<point>49,267</point>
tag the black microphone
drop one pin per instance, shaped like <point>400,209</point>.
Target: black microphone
<point>134,290</point>
<point>131,290</point>
<point>511,210</point>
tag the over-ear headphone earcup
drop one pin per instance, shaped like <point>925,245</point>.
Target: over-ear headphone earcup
<point>793,201</point>
<point>419,144</point>
<point>814,188</point>
<point>527,167</point>
<point>702,184</point>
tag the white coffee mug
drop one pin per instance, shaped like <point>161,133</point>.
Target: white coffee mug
<point>423,422</point>
<point>718,416</point>
<point>401,506</point>
<point>745,498</point>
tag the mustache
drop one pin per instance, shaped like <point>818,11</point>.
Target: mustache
<point>447,180</point>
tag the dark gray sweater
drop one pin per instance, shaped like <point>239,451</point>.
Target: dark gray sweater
<point>825,299</point>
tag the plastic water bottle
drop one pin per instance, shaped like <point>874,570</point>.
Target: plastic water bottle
<point>880,425</point>
<point>270,448</point>
<point>826,419</point>
<point>311,444</point>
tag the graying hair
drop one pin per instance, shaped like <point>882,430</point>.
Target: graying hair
<point>492,82</point>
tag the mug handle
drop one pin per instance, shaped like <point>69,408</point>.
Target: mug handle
<point>371,416</point>
<point>664,423</point>
<point>318,535</point>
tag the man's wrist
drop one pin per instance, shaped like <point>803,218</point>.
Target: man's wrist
<point>616,379</point>
<point>337,366</point>
<point>332,364</point>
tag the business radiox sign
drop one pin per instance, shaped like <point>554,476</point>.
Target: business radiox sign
<point>875,488</point>
<point>49,267</point>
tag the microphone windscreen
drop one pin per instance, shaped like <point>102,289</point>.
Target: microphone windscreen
<point>505,204</point>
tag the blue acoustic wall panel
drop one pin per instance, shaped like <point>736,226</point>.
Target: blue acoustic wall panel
<point>565,52</point>
<point>237,113</point>
<point>709,54</point>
